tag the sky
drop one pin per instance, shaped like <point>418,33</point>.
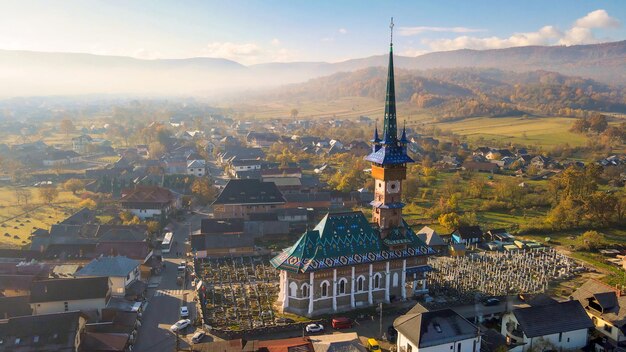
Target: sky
<point>253,32</point>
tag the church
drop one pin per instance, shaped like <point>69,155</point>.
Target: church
<point>348,261</point>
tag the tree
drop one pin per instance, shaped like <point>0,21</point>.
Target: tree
<point>73,185</point>
<point>48,194</point>
<point>22,195</point>
<point>204,191</point>
<point>449,220</point>
<point>156,150</point>
<point>153,227</point>
<point>88,203</point>
<point>590,240</point>
<point>293,113</point>
<point>67,126</point>
<point>598,123</point>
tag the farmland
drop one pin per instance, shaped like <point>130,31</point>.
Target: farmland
<point>538,131</point>
<point>17,221</point>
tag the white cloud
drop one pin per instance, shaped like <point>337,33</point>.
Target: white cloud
<point>597,19</point>
<point>410,31</point>
<point>413,52</point>
<point>580,33</point>
<point>249,53</point>
<point>342,31</point>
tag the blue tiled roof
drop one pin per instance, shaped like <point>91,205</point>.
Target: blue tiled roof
<point>389,155</point>
<point>342,239</point>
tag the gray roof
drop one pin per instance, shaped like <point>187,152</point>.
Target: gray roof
<point>109,266</point>
<point>250,192</point>
<point>552,318</point>
<point>200,242</point>
<point>430,236</point>
<point>595,290</point>
<point>69,289</point>
<point>435,328</point>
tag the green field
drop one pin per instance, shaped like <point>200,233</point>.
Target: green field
<point>18,221</point>
<point>542,131</point>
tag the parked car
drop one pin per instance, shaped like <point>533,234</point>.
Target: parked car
<point>180,325</point>
<point>373,346</point>
<point>184,312</point>
<point>341,323</point>
<point>313,328</point>
<point>285,321</point>
<point>392,334</point>
<point>198,336</point>
<point>491,302</point>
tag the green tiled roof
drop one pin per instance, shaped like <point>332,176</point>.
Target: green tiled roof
<point>346,239</point>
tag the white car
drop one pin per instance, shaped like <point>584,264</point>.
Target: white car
<point>179,325</point>
<point>184,312</point>
<point>198,336</point>
<point>313,328</point>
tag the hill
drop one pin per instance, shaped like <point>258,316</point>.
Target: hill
<point>26,73</point>
<point>459,93</point>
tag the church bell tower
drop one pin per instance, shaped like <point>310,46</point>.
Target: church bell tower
<point>389,158</point>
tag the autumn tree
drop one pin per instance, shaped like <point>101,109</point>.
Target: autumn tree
<point>67,126</point>
<point>204,190</point>
<point>590,240</point>
<point>88,203</point>
<point>449,220</point>
<point>156,150</point>
<point>48,194</point>
<point>74,185</point>
<point>293,113</point>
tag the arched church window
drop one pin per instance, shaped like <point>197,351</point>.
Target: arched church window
<point>293,289</point>
<point>377,279</point>
<point>395,279</point>
<point>305,290</point>
<point>342,286</point>
<point>324,287</point>
<point>360,283</point>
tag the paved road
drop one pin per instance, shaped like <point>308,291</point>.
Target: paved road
<point>164,301</point>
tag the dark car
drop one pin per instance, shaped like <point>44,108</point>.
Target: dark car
<point>285,321</point>
<point>491,302</point>
<point>392,334</point>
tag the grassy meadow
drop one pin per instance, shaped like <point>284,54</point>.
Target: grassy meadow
<point>541,131</point>
<point>17,221</point>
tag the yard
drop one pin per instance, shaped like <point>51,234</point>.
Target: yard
<point>17,221</point>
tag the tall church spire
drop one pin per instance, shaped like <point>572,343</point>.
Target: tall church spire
<point>390,130</point>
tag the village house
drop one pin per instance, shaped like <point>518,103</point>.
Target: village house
<point>348,262</point>
<point>240,198</point>
<point>87,294</point>
<point>43,333</point>
<point>61,157</point>
<point>196,168</point>
<point>122,271</point>
<point>436,331</point>
<point>222,238</point>
<point>467,235</point>
<point>605,306</point>
<point>149,202</point>
<point>548,325</point>
<point>81,143</point>
<point>432,239</point>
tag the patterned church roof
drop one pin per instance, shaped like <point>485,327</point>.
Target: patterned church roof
<point>342,239</point>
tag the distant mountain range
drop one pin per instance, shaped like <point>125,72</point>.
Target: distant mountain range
<point>25,73</point>
<point>455,93</point>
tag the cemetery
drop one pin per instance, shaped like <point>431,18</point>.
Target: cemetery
<point>470,278</point>
<point>239,292</point>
